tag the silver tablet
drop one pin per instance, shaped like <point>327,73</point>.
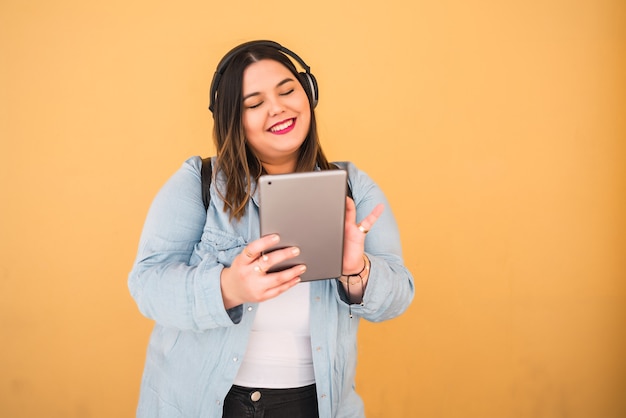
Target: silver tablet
<point>307,210</point>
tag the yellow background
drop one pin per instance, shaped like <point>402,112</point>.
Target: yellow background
<point>497,129</point>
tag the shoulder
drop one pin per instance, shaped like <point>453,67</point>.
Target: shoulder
<point>350,167</point>
<point>183,185</point>
<point>193,164</point>
<point>360,182</point>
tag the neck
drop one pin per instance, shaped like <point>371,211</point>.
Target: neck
<point>279,168</point>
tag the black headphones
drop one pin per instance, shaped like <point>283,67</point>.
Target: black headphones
<point>306,77</point>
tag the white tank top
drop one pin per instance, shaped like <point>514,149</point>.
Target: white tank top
<point>279,355</point>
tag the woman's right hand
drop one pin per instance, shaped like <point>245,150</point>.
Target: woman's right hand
<point>246,279</point>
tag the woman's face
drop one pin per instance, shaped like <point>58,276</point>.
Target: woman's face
<point>276,114</point>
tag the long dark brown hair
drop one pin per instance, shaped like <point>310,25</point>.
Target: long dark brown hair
<point>235,159</point>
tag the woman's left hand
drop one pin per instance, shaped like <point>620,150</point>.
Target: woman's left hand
<point>354,236</point>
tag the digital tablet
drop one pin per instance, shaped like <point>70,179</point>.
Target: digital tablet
<point>306,210</point>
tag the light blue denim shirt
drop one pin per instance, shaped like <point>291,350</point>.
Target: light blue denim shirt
<point>197,345</point>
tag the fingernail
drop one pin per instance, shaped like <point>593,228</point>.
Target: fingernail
<point>295,250</point>
<point>303,268</point>
<point>275,238</point>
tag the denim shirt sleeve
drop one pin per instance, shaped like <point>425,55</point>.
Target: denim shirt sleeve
<point>390,287</point>
<point>174,281</point>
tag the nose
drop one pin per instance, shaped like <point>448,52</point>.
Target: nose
<point>276,107</point>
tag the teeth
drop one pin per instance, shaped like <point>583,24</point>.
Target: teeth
<point>282,126</point>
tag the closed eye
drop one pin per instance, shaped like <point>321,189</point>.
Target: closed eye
<point>254,106</point>
<point>282,84</point>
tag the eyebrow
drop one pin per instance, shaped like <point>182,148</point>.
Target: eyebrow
<point>247,96</point>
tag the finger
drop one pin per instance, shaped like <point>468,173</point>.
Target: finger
<point>250,255</point>
<point>255,248</point>
<point>282,288</point>
<point>368,222</point>
<point>284,280</point>
<point>267,261</point>
<point>278,256</point>
<point>350,211</point>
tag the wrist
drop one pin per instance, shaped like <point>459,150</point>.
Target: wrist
<point>227,295</point>
<point>359,272</point>
<point>359,279</point>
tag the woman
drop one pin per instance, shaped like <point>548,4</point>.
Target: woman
<point>231,339</point>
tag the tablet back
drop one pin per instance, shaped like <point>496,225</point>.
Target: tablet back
<point>307,210</point>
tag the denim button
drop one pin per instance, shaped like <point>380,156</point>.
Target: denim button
<point>255,396</point>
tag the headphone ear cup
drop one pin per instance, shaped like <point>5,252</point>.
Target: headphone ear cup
<point>310,85</point>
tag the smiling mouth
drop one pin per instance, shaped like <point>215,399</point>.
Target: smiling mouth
<point>283,127</point>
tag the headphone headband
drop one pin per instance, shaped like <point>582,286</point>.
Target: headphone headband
<point>306,76</point>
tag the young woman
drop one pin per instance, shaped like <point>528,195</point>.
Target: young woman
<point>231,339</point>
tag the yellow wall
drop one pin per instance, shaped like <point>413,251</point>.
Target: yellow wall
<point>497,128</point>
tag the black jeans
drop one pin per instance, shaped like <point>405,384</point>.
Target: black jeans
<point>271,403</point>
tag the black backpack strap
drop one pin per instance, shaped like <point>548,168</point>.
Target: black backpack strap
<point>206,175</point>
